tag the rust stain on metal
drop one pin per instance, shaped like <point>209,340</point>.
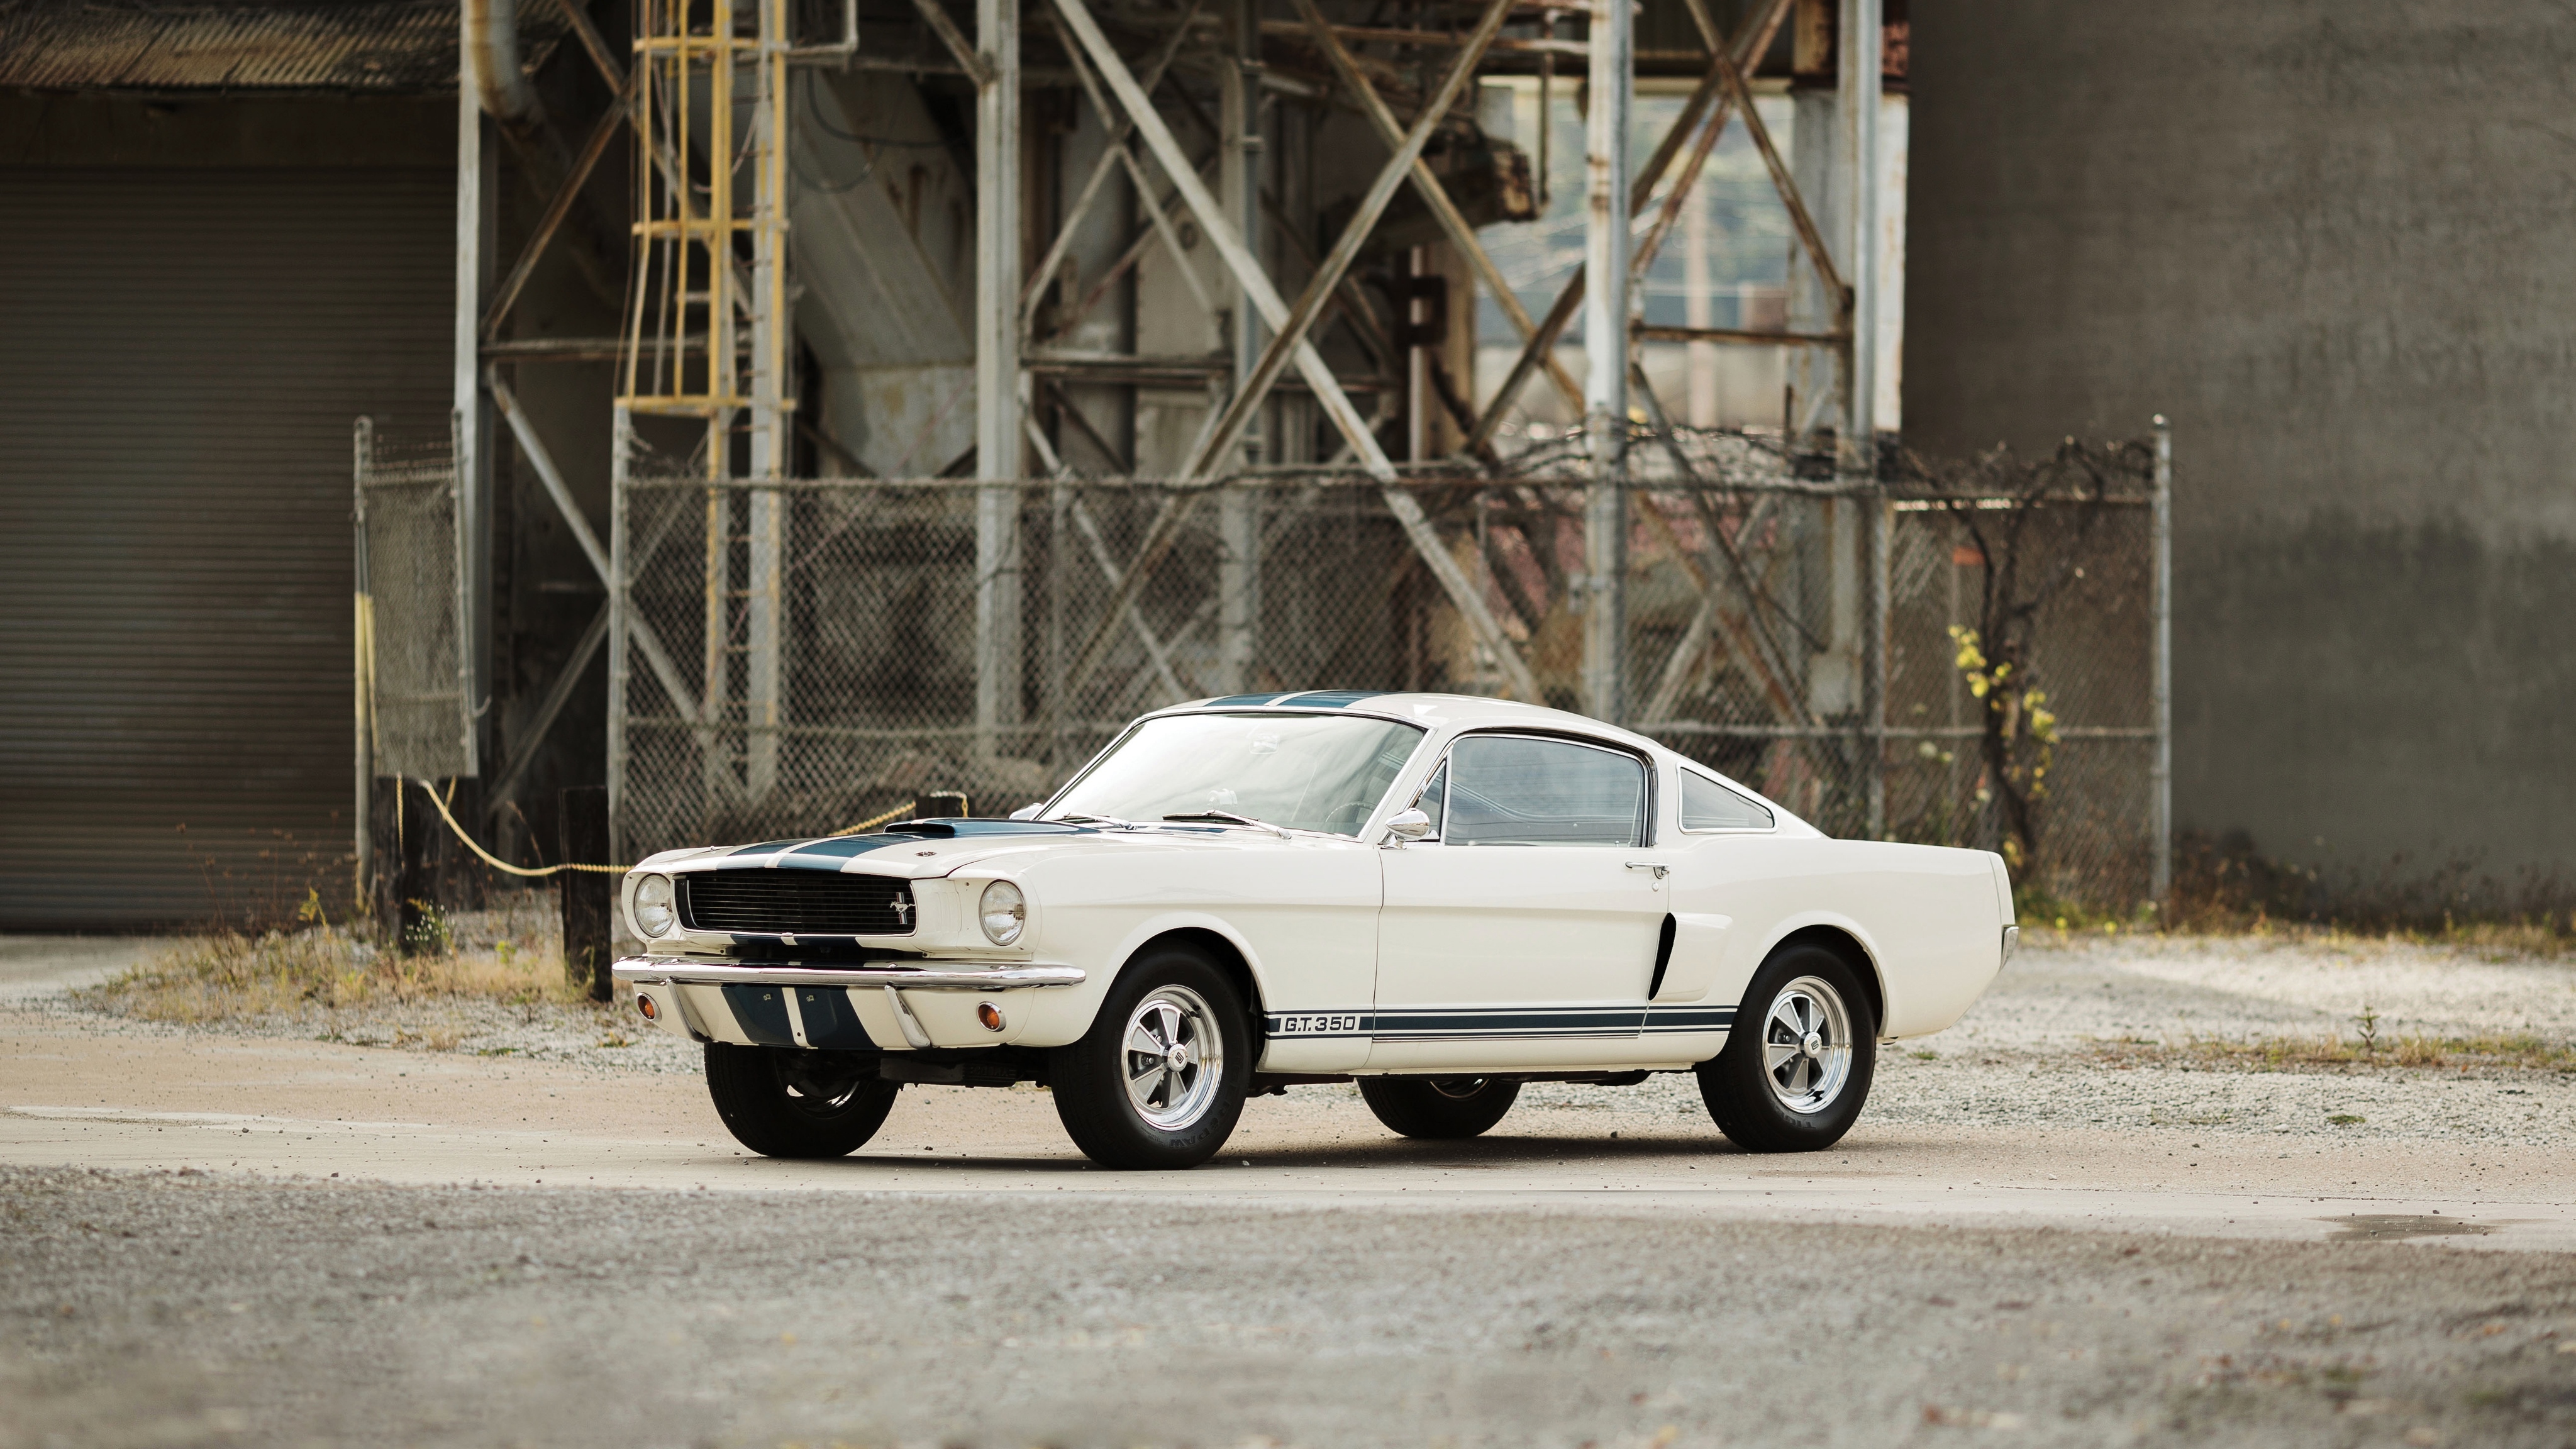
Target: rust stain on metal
<point>387,46</point>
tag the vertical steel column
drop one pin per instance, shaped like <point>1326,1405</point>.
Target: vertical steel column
<point>621,449</point>
<point>723,386</point>
<point>1859,42</point>
<point>363,445</point>
<point>1857,61</point>
<point>2161,686</point>
<point>1239,187</point>
<point>1606,247</point>
<point>477,209</point>
<point>997,372</point>
<point>764,704</point>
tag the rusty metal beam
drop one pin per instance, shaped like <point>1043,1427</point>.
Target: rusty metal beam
<point>1327,390</point>
<point>1645,332</point>
<point>1120,128</point>
<point>1291,331</point>
<point>975,66</point>
<point>1434,195</point>
<point>1752,39</point>
<point>610,123</point>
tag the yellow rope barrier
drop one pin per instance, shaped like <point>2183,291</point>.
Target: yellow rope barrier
<point>873,821</point>
<point>496,862</point>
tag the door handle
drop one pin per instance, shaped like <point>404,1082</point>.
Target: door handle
<point>1659,868</point>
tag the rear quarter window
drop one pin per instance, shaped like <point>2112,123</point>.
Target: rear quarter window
<point>1708,805</point>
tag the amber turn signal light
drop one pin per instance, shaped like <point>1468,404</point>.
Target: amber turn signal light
<point>645,1005</point>
<point>990,1015</point>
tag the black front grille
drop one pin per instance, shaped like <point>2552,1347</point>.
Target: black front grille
<point>795,903</point>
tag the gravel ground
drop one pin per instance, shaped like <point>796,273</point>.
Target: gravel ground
<point>144,1310</point>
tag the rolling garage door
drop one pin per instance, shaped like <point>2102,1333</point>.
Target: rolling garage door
<point>181,356</point>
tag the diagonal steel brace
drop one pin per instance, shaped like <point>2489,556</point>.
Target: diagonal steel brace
<point>1436,196</point>
<point>1752,39</point>
<point>1326,389</point>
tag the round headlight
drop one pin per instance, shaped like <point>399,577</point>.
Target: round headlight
<point>654,913</point>
<point>1004,912</point>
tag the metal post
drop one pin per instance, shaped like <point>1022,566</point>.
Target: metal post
<point>588,897</point>
<point>764,706</point>
<point>363,629</point>
<point>997,371</point>
<point>621,449</point>
<point>477,208</point>
<point>2161,688</point>
<point>1239,185</point>
<point>1605,343</point>
<point>1857,64</point>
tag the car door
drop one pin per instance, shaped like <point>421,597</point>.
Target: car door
<point>1523,931</point>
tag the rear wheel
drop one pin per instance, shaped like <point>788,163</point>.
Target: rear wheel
<point>782,1103</point>
<point>1439,1108</point>
<point>1159,1080</point>
<point>1797,1066</point>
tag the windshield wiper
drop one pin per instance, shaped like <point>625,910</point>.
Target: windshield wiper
<point>1230,818</point>
<point>1112,821</point>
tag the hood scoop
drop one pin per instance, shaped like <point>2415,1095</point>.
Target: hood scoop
<point>955,828</point>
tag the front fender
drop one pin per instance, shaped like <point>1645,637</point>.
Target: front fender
<point>1062,1017</point>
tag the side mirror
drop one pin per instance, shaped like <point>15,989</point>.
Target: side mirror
<point>1409,825</point>
<point>1028,812</point>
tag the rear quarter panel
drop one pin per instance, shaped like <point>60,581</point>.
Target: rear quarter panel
<point>1927,917</point>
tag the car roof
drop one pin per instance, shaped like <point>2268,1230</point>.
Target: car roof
<point>1432,711</point>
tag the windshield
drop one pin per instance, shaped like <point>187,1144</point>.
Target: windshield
<point>1305,772</point>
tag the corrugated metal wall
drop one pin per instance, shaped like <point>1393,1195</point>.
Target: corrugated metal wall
<point>181,355</point>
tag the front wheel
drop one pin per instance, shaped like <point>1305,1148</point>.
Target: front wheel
<point>1159,1080</point>
<point>1797,1066</point>
<point>782,1103</point>
<point>1439,1108</point>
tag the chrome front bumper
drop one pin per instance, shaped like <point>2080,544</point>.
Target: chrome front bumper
<point>860,1007</point>
<point>700,971</point>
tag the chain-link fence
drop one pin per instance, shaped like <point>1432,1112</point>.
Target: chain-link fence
<point>796,658</point>
<point>411,606</point>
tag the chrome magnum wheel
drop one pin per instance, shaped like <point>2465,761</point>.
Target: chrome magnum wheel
<point>1160,1078</point>
<point>1175,1058</point>
<point>1807,1045</point>
<point>1797,1064</point>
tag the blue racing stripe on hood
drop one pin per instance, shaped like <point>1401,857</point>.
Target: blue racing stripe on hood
<point>841,847</point>
<point>1235,700</point>
<point>767,848</point>
<point>951,827</point>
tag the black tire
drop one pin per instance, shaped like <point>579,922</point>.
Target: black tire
<point>1172,1117</point>
<point>1796,1104</point>
<point>784,1103</point>
<point>1439,1109</point>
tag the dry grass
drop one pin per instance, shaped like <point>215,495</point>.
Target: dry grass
<point>2290,1053</point>
<point>505,955</point>
<point>2052,923</point>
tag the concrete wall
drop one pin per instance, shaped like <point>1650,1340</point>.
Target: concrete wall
<point>2337,243</point>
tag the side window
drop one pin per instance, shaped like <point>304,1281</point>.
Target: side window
<point>1505,790</point>
<point>1708,805</point>
<point>1435,798</point>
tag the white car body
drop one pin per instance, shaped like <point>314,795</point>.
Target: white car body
<point>1361,954</point>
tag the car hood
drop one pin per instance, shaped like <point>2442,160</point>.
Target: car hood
<point>936,848</point>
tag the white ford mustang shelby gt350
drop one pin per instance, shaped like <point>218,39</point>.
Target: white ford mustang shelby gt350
<point>1439,897</point>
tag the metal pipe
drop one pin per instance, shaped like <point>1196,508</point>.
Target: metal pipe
<point>2161,687</point>
<point>998,446</point>
<point>1606,248</point>
<point>492,59</point>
